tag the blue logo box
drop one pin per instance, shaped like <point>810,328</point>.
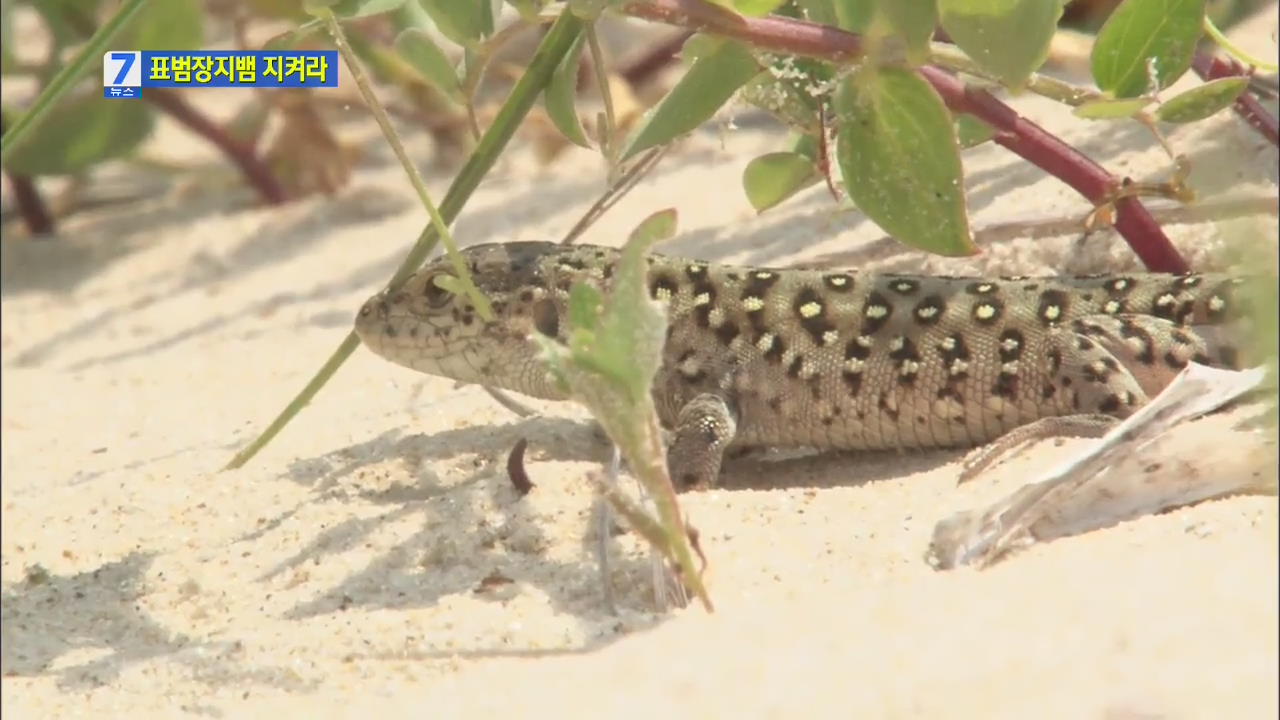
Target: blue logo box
<point>218,68</point>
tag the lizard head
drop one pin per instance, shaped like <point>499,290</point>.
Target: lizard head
<point>435,330</point>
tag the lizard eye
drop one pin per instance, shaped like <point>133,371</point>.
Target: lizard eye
<point>436,296</point>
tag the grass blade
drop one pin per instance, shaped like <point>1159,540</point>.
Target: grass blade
<point>554,45</point>
<point>67,77</point>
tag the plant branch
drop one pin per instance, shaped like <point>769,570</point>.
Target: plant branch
<point>241,154</point>
<point>1014,132</point>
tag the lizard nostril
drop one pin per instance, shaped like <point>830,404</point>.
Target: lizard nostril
<point>374,307</point>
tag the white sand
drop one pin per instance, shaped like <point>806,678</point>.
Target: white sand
<point>337,575</point>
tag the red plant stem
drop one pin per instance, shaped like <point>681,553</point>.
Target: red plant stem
<point>1014,132</point>
<point>31,207</point>
<point>258,174</point>
<point>1032,142</point>
<point>35,214</point>
<point>796,37</point>
<point>1210,67</point>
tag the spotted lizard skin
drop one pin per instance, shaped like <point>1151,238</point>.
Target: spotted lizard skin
<point>826,359</point>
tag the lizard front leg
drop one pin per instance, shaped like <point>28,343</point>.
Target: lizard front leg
<point>703,430</point>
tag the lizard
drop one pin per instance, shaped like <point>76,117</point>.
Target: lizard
<point>824,358</point>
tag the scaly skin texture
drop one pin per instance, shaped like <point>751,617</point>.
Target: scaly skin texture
<point>825,358</point>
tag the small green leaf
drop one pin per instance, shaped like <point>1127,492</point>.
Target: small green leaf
<point>1145,38</point>
<point>84,131</point>
<point>654,229</point>
<point>462,21</point>
<point>420,51</point>
<point>561,94</point>
<point>168,25</point>
<point>914,21</point>
<point>900,162</point>
<point>706,86</point>
<point>774,177</point>
<point>1009,38</point>
<point>971,132</point>
<point>1200,102</point>
<point>1111,109</point>
<point>783,98</point>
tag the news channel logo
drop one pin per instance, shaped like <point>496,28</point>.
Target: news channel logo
<point>125,73</point>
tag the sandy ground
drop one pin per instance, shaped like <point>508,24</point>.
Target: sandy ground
<point>356,566</point>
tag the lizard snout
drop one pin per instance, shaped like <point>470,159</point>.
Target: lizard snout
<point>372,313</point>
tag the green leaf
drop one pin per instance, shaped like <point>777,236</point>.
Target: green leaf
<point>774,177</point>
<point>1200,102</point>
<point>755,8</point>
<point>291,39</point>
<point>355,9</point>
<point>1145,38</point>
<point>584,306</point>
<point>168,25</point>
<point>86,130</point>
<point>462,21</point>
<point>914,21</point>
<point>69,21</point>
<point>822,12</point>
<point>561,94</point>
<point>616,341</point>
<point>609,368</point>
<point>291,10</point>
<point>633,326</point>
<point>7,58</point>
<point>420,51</point>
<point>971,132</point>
<point>900,162</point>
<point>528,9</point>
<point>588,10</point>
<point>807,145</point>
<point>855,15</point>
<point>312,7</point>
<point>1008,38</point>
<point>706,86</point>
<point>1105,109</point>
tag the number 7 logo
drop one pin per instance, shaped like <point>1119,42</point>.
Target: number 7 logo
<point>122,69</point>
